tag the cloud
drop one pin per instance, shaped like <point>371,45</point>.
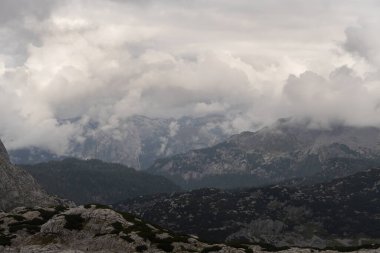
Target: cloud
<point>363,41</point>
<point>251,61</point>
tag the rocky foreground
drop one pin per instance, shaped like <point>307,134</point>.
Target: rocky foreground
<point>93,228</point>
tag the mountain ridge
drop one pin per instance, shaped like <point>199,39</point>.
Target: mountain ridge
<point>95,181</point>
<point>273,154</point>
<point>135,142</point>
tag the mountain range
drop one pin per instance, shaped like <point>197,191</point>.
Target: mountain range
<point>285,151</point>
<point>40,223</point>
<point>136,142</point>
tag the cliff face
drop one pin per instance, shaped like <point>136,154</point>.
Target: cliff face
<point>3,152</point>
<point>17,187</point>
<point>137,142</point>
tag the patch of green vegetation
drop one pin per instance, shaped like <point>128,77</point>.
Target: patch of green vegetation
<point>26,209</point>
<point>60,209</point>
<point>74,222</point>
<point>275,249</point>
<point>118,227</point>
<point>141,248</point>
<point>16,217</point>
<point>165,246</point>
<point>47,214</point>
<point>144,231</point>
<point>211,249</point>
<point>97,206</point>
<point>5,240</point>
<point>127,238</point>
<point>187,249</point>
<point>32,226</point>
<point>127,216</point>
<point>179,238</point>
<point>240,246</point>
<point>353,248</point>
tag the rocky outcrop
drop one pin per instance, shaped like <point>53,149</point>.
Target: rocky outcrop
<point>17,187</point>
<point>98,229</point>
<point>3,153</point>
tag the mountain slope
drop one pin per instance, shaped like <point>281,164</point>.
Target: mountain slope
<point>343,212</point>
<point>284,151</point>
<point>136,141</point>
<point>94,181</point>
<point>17,187</point>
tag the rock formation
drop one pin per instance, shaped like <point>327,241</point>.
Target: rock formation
<point>17,187</point>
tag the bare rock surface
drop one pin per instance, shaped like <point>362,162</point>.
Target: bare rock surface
<point>17,187</point>
<point>98,229</point>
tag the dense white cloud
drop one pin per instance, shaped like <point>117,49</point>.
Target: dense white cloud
<point>253,61</point>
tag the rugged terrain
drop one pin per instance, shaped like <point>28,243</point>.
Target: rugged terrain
<point>94,228</point>
<point>344,212</point>
<point>284,151</point>
<point>136,142</point>
<point>17,187</point>
<point>46,226</point>
<point>94,181</point>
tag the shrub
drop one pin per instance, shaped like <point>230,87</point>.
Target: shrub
<point>74,222</point>
<point>141,248</point>
<point>210,249</point>
<point>167,247</point>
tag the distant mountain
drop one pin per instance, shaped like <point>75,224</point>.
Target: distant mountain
<point>136,142</point>
<point>284,151</point>
<point>343,212</point>
<point>17,187</point>
<point>94,181</point>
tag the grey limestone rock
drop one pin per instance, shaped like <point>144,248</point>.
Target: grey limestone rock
<point>17,187</point>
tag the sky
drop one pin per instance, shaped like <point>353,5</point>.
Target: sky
<point>251,61</point>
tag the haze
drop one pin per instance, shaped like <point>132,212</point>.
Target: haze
<point>251,61</point>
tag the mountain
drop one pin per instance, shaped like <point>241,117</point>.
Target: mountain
<point>98,229</point>
<point>3,153</point>
<point>17,187</point>
<point>136,142</point>
<point>283,151</point>
<point>94,181</point>
<point>341,213</point>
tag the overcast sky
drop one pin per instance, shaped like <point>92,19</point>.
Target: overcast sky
<point>253,61</point>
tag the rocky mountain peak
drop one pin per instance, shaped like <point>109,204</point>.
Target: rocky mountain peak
<point>3,152</point>
<point>282,151</point>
